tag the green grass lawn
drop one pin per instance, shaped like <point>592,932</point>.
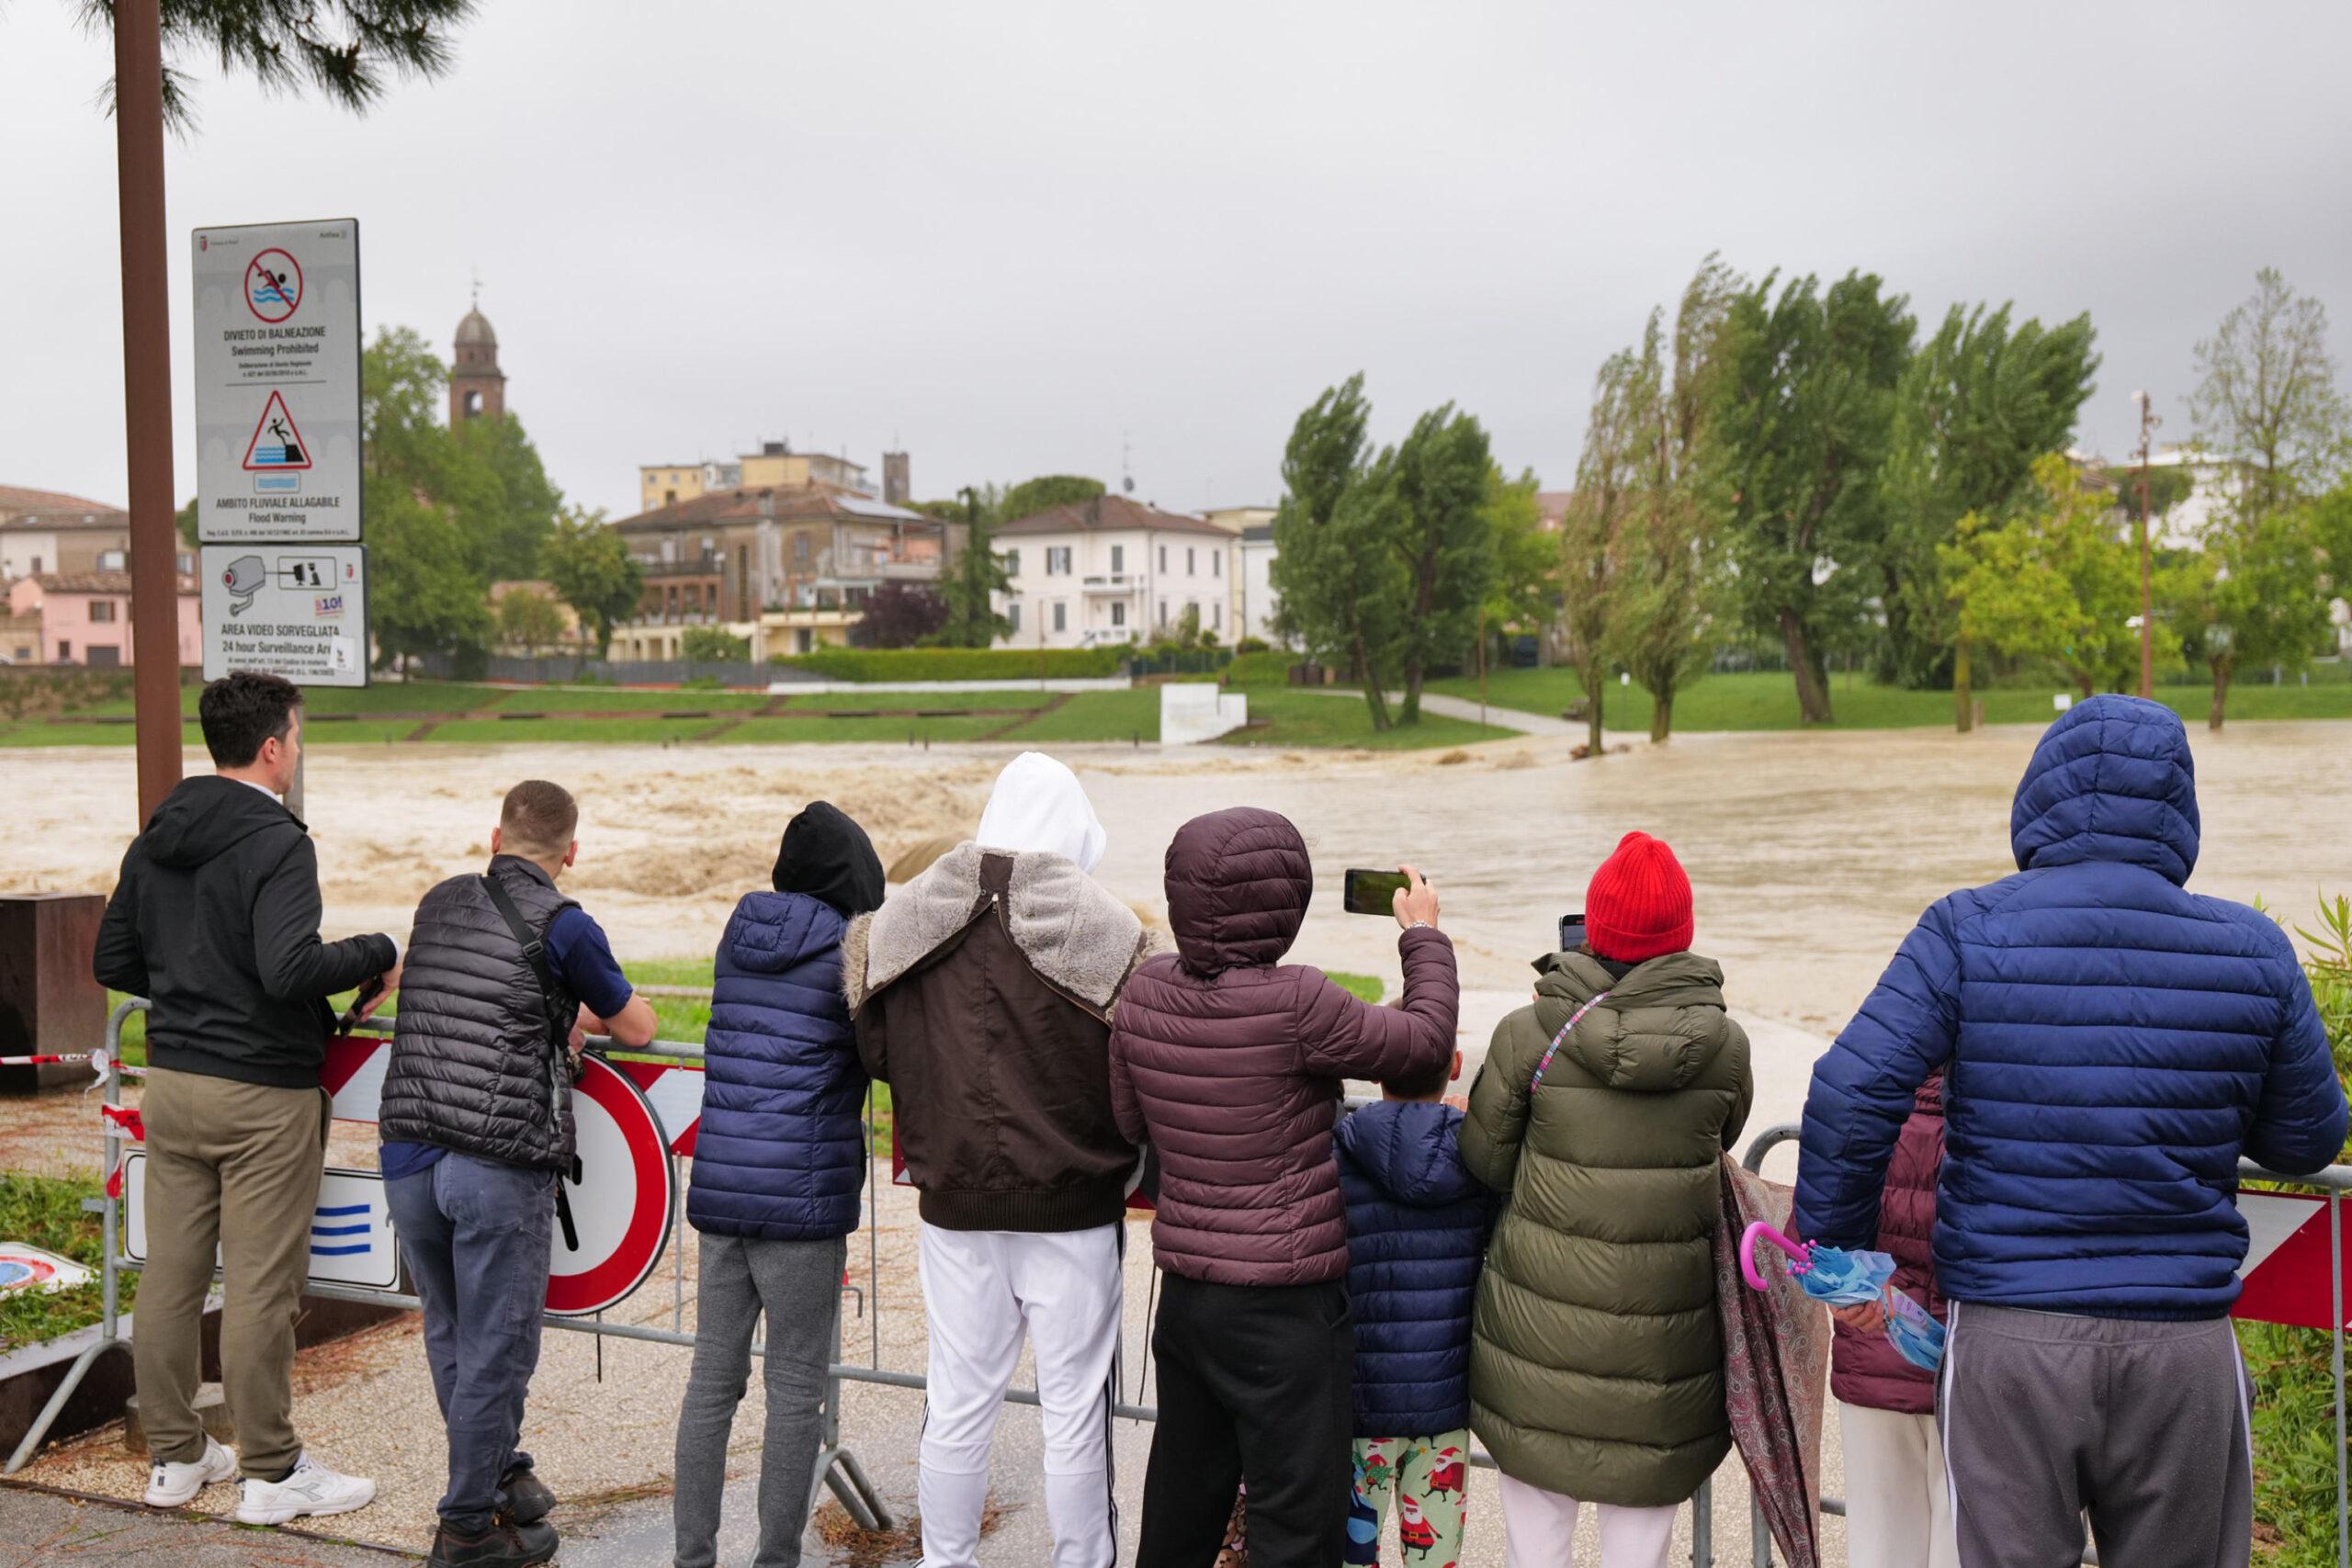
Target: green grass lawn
<point>47,1212</point>
<point>1300,719</point>
<point>1769,701</point>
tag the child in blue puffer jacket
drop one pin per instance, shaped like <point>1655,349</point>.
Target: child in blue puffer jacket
<point>779,1159</point>
<point>1417,1232</point>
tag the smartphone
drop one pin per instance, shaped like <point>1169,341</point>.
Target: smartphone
<point>1571,933</point>
<point>1371,892</point>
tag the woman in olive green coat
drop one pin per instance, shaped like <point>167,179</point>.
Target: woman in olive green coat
<point>1597,1362</point>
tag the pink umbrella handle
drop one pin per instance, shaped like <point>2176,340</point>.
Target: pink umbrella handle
<point>1799,1253</point>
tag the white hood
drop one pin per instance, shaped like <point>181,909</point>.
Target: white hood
<point>1038,808</point>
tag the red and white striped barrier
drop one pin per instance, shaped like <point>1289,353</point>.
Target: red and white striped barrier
<point>354,1077</point>
<point>2285,1272</point>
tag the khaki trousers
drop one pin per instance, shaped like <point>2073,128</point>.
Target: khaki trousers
<point>234,1166</point>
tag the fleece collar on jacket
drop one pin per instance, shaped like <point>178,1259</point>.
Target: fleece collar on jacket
<point>1072,932</point>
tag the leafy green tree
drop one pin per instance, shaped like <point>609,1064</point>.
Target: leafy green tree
<point>593,571</point>
<point>1044,494</point>
<point>1663,619</point>
<point>2266,399</point>
<point>2053,584</point>
<point>529,620</point>
<point>1808,402</point>
<point>510,524</point>
<point>185,521</point>
<point>1976,405</point>
<point>422,595</point>
<point>1526,591</point>
<point>344,49</point>
<point>2267,403</point>
<point>714,644</point>
<point>2167,487</point>
<point>1600,513</point>
<point>1338,579</point>
<point>1438,479</point>
<point>972,583</point>
<point>2254,598</point>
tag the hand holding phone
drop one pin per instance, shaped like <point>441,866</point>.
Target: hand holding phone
<point>1402,893</point>
<point>1416,903</point>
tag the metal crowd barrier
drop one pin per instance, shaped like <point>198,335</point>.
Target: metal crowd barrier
<point>837,1465</point>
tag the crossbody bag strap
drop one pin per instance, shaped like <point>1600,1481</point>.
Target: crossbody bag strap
<point>535,953</point>
<point>1552,1049</point>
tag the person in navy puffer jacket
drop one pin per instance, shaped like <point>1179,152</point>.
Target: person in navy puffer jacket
<point>1416,1232</point>
<point>779,1159</point>
<point>2112,1045</point>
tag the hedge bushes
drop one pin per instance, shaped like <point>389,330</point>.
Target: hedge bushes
<point>893,666</point>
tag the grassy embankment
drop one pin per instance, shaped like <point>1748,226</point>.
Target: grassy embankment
<point>1768,700</point>
<point>455,712</point>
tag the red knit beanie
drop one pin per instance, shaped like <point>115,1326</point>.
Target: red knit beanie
<point>1639,903</point>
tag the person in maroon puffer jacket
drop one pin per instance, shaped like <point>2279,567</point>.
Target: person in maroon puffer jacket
<point>1231,1063</point>
<point>1898,1509</point>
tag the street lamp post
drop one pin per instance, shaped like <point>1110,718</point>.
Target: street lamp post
<point>2147,669</point>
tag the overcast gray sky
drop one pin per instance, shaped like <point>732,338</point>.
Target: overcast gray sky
<point>1009,236</point>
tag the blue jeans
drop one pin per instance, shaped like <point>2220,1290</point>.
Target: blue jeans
<point>475,1234</point>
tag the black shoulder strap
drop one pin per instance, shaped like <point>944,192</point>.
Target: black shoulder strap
<point>534,950</point>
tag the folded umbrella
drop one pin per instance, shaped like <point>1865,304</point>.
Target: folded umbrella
<point>1776,1370</point>
<point>1843,1277</point>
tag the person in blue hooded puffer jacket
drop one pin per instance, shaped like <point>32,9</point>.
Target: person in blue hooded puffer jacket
<point>2112,1045</point>
<point>779,1158</point>
<point>1416,1232</point>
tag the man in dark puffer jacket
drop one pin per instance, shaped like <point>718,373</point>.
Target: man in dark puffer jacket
<point>2112,1044</point>
<point>779,1158</point>
<point>477,1123</point>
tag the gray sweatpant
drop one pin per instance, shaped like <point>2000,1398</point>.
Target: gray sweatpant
<point>798,1286</point>
<point>2142,1426</point>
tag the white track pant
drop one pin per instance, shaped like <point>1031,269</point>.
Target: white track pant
<point>1898,1511</point>
<point>982,1290</point>
<point>1540,1529</point>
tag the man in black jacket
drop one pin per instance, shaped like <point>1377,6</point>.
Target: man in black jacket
<point>215,920</point>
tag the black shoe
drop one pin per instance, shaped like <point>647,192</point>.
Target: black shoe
<point>523,1497</point>
<point>499,1546</point>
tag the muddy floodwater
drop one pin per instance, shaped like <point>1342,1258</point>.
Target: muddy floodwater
<point>1810,854</point>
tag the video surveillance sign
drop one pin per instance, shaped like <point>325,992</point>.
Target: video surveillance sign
<point>299,610</point>
<point>277,381</point>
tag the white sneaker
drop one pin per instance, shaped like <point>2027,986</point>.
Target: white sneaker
<point>312,1488</point>
<point>173,1485</point>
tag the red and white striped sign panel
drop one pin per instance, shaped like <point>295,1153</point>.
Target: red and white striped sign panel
<point>2286,1266</point>
<point>354,1077</point>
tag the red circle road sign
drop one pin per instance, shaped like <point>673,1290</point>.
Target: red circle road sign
<point>272,286</point>
<point>614,1220</point>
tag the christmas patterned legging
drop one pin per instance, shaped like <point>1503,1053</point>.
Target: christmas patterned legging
<point>1429,1476</point>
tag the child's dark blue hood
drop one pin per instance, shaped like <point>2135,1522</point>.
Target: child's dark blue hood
<point>769,932</point>
<point>1407,1149</point>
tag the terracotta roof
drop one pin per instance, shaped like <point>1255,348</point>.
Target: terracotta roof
<point>95,582</point>
<point>16,497</point>
<point>785,503</point>
<point>48,520</point>
<point>1108,513</point>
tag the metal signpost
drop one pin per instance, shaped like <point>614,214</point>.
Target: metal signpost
<point>278,454</point>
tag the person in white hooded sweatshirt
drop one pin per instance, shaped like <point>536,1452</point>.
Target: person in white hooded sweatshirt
<point>981,993</point>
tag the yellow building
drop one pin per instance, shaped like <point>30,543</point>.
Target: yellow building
<point>776,465</point>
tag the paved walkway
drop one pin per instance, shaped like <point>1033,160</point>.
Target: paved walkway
<point>1466,709</point>
<point>43,1527</point>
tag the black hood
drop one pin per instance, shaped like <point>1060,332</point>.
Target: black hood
<point>204,817</point>
<point>828,856</point>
